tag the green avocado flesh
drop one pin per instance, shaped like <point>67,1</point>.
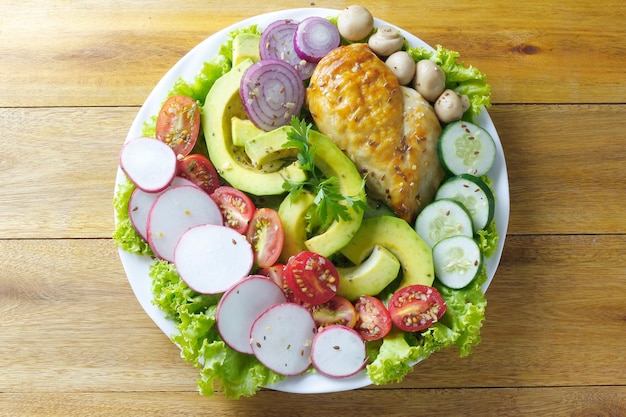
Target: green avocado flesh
<point>246,45</point>
<point>332,162</point>
<point>267,147</point>
<point>221,105</point>
<point>243,130</point>
<point>397,236</point>
<point>292,212</point>
<point>371,276</point>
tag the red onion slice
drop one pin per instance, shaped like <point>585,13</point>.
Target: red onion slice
<point>315,37</point>
<point>277,42</point>
<point>271,92</point>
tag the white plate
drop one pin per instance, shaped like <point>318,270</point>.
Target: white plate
<point>136,267</point>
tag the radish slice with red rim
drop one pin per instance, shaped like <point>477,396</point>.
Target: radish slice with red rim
<point>141,202</point>
<point>315,37</point>
<point>271,93</point>
<point>212,258</point>
<point>281,338</point>
<point>149,163</point>
<point>277,42</point>
<point>338,352</point>
<point>241,305</point>
<point>174,212</point>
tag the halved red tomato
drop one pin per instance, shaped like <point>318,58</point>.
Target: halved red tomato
<point>312,277</point>
<point>236,207</point>
<point>275,273</point>
<point>266,236</point>
<point>416,307</point>
<point>198,169</point>
<point>373,318</point>
<point>178,123</point>
<point>337,310</point>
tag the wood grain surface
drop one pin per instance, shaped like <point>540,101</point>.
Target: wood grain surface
<point>75,341</point>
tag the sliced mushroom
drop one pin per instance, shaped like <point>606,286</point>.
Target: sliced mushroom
<point>402,65</point>
<point>386,41</point>
<point>430,80</point>
<point>449,106</point>
<point>355,23</point>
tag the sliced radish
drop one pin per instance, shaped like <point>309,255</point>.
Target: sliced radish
<point>149,163</point>
<point>338,352</point>
<point>141,202</point>
<point>212,258</point>
<point>315,37</point>
<point>277,42</point>
<point>174,212</point>
<point>281,338</point>
<point>241,305</point>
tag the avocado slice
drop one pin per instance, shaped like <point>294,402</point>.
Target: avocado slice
<point>332,162</point>
<point>371,276</point>
<point>246,46</point>
<point>268,146</point>
<point>400,238</point>
<point>243,130</point>
<point>292,212</point>
<point>231,162</point>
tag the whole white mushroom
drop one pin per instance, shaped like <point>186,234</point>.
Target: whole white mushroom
<point>355,22</point>
<point>386,41</point>
<point>430,80</point>
<point>402,65</point>
<point>450,106</point>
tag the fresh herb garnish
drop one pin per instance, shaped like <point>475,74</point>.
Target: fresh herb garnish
<point>330,203</point>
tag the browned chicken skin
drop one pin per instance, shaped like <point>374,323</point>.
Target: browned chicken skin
<point>390,132</point>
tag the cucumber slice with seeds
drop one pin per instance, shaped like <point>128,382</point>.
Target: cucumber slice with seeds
<point>473,194</point>
<point>457,261</point>
<point>441,219</point>
<point>466,148</point>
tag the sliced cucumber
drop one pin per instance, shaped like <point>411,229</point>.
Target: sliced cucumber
<point>441,219</point>
<point>457,261</point>
<point>466,148</point>
<point>473,194</point>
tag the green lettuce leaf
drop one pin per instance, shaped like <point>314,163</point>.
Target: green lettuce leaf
<point>461,78</point>
<point>221,368</point>
<point>465,312</point>
<point>459,326</point>
<point>236,374</point>
<point>393,360</point>
<point>488,239</point>
<point>125,236</point>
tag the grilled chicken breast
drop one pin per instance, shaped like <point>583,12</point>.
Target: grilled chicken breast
<point>389,131</point>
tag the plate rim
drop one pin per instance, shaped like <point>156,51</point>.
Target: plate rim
<point>136,267</point>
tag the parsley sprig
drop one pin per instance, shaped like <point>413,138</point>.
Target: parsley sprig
<point>330,204</point>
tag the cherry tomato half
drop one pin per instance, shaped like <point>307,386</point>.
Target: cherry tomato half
<point>236,207</point>
<point>312,277</point>
<point>416,307</point>
<point>198,169</point>
<point>266,236</point>
<point>337,310</point>
<point>178,123</point>
<point>373,318</point>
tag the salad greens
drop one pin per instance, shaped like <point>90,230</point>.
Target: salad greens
<point>463,79</point>
<point>238,374</point>
<point>125,236</point>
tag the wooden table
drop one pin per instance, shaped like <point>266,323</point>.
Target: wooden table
<point>73,338</point>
